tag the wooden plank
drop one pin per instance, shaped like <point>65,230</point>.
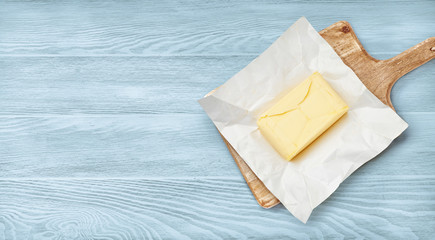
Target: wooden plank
<point>112,146</point>
<point>127,85</point>
<point>166,145</point>
<point>198,27</point>
<point>383,207</point>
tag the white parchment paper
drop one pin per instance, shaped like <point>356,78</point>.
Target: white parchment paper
<point>365,131</point>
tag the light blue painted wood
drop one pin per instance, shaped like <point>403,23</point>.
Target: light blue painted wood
<point>377,207</point>
<point>200,27</point>
<point>146,85</point>
<point>112,145</point>
<point>163,145</point>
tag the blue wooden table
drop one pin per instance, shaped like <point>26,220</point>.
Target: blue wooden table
<point>101,136</point>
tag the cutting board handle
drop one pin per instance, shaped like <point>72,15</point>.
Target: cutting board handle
<point>405,62</point>
<point>412,58</point>
<point>379,76</point>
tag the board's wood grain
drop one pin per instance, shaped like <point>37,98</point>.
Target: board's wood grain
<point>379,76</point>
<point>199,27</point>
<point>383,207</point>
<point>131,85</point>
<point>162,145</point>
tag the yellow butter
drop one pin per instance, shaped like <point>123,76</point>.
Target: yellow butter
<point>301,116</point>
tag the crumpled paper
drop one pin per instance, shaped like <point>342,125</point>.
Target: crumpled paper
<point>361,134</point>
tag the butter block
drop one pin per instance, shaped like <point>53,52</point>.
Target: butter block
<point>301,116</point>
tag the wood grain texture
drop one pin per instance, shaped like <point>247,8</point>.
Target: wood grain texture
<point>69,125</point>
<point>150,85</point>
<point>199,28</point>
<point>376,208</point>
<point>114,146</point>
<point>162,145</point>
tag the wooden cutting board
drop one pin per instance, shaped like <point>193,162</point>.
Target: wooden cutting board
<point>379,77</point>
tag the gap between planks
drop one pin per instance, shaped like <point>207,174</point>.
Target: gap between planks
<point>159,55</point>
<point>200,178</point>
<point>99,115</point>
<point>232,178</point>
